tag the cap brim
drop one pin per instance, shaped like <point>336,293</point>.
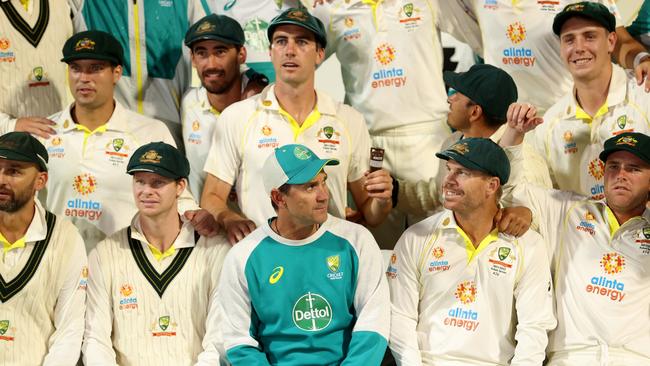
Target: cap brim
<point>209,37</point>
<point>310,171</point>
<point>90,56</point>
<point>607,152</point>
<point>460,159</point>
<point>561,18</point>
<point>13,155</point>
<point>154,169</point>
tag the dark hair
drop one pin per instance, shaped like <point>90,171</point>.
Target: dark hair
<point>284,189</point>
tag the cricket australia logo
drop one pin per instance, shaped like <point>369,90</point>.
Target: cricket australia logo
<point>312,312</point>
<point>333,264</point>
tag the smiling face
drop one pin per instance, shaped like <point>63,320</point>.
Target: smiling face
<point>156,195</point>
<point>464,190</point>
<point>627,182</point>
<point>217,64</point>
<point>295,54</point>
<point>585,48</point>
<point>92,82</point>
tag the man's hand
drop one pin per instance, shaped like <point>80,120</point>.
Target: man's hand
<point>520,118</point>
<point>237,228</point>
<point>254,87</point>
<point>513,221</point>
<point>37,126</point>
<point>354,216</point>
<point>379,185</point>
<point>641,73</point>
<point>203,222</point>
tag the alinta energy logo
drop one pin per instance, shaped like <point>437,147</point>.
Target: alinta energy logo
<point>438,264</point>
<point>612,264</point>
<point>462,317</point>
<point>312,312</point>
<point>596,169</point>
<point>386,76</point>
<point>516,55</point>
<point>127,299</point>
<point>84,184</point>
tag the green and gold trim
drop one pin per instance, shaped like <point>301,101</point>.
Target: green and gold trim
<point>32,35</point>
<point>158,281</point>
<point>11,288</point>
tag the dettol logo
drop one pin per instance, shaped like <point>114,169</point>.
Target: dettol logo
<point>312,312</point>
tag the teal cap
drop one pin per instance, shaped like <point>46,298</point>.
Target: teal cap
<point>292,164</point>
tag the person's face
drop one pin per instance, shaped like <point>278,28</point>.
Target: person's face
<point>19,182</point>
<point>460,110</point>
<point>154,194</point>
<point>295,54</point>
<point>92,82</point>
<point>217,64</point>
<point>585,48</point>
<point>627,181</point>
<point>306,204</point>
<point>465,190</point>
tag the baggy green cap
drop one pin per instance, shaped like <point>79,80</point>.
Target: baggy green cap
<point>634,142</point>
<point>93,45</point>
<point>22,146</point>
<point>480,154</point>
<point>217,28</point>
<point>301,18</point>
<point>488,86</point>
<point>586,9</point>
<point>160,158</point>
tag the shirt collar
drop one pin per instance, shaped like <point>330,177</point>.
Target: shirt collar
<point>117,122</point>
<point>185,238</point>
<point>37,229</point>
<point>268,101</point>
<point>615,95</point>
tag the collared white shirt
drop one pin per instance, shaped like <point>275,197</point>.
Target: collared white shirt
<point>454,303</point>
<point>88,183</point>
<point>571,140</point>
<point>250,130</point>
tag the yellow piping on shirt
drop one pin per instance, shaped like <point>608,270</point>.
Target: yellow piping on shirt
<point>162,255</point>
<point>138,57</point>
<point>373,4</point>
<point>472,252</point>
<point>297,128</point>
<point>87,133</point>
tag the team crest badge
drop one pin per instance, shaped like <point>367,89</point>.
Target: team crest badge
<point>4,325</point>
<point>38,73</point>
<point>163,322</point>
<point>301,153</point>
<point>150,156</point>
<point>205,27</point>
<point>333,262</point>
<point>621,121</point>
<point>503,253</point>
<point>627,140</point>
<point>646,232</point>
<point>408,9</point>
<point>84,44</point>
<point>460,148</point>
<point>297,15</point>
<point>117,144</point>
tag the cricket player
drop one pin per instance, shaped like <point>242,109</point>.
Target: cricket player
<point>153,285</point>
<point>290,111</point>
<point>217,50</point>
<point>462,292</point>
<point>605,101</point>
<point>305,288</point>
<point>43,275</point>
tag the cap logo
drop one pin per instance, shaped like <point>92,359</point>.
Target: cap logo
<point>301,153</point>
<point>151,156</point>
<point>575,7</point>
<point>84,44</point>
<point>460,148</point>
<point>10,145</point>
<point>205,27</point>
<point>627,140</point>
<point>298,15</point>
